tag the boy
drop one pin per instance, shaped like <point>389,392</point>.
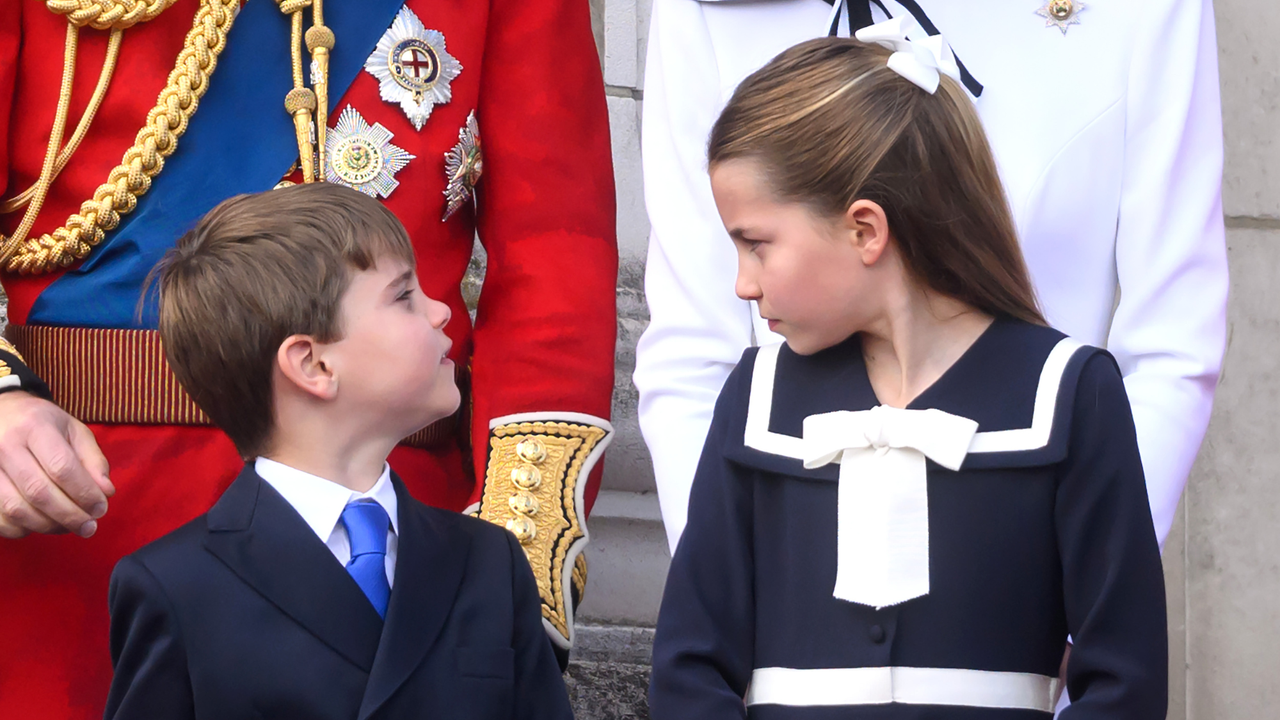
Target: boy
<point>294,319</point>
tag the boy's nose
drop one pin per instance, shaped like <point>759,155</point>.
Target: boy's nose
<point>439,314</point>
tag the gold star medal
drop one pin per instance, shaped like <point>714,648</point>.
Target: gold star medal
<point>1061,13</point>
<point>463,166</point>
<point>412,67</point>
<point>362,156</point>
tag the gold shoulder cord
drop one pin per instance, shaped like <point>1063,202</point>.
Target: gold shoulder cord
<point>301,102</point>
<point>166,122</point>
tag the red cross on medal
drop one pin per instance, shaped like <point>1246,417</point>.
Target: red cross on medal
<point>417,63</point>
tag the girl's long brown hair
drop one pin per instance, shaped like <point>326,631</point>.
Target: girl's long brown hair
<point>830,123</point>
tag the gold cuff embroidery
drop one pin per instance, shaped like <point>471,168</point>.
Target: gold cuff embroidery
<point>8,347</point>
<point>531,489</point>
<point>580,576</point>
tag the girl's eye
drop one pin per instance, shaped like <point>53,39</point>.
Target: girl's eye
<point>404,296</point>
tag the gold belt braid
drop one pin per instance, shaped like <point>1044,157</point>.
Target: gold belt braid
<point>121,377</point>
<point>166,122</point>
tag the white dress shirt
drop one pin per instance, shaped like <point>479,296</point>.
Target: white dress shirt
<point>320,503</point>
<point>1109,143</point>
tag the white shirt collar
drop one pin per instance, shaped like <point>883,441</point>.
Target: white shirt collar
<point>320,501</point>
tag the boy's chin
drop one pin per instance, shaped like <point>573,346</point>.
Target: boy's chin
<point>440,403</point>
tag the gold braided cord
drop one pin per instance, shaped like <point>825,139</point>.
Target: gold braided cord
<point>320,42</point>
<point>34,193</point>
<point>166,123</point>
<point>301,102</point>
<point>108,14</point>
<point>55,142</point>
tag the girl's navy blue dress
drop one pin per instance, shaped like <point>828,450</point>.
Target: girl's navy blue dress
<point>1043,532</point>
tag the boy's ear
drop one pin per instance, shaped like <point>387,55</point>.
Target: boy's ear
<point>299,360</point>
<point>868,227</point>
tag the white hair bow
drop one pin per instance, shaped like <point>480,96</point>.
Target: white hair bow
<point>923,62</point>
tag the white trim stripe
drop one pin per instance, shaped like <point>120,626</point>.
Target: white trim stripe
<point>906,685</point>
<point>9,381</point>
<point>569,417</point>
<point>760,409</point>
<point>1035,437</point>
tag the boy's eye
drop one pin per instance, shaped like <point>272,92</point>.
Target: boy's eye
<point>405,295</point>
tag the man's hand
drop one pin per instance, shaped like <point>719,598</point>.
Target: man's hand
<point>53,477</point>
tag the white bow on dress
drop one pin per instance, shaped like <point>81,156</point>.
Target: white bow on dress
<point>882,549</point>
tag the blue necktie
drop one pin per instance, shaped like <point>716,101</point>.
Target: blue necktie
<point>367,523</point>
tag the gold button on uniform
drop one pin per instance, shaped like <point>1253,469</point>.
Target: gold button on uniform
<point>523,503</point>
<point>523,528</point>
<point>531,450</point>
<point>526,477</point>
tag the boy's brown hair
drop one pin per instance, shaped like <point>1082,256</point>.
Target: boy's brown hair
<point>255,270</point>
<point>831,123</point>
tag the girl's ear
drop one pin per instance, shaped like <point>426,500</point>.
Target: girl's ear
<point>869,228</point>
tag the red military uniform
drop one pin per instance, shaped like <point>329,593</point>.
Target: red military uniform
<point>540,350</point>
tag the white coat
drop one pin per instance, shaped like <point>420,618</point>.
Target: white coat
<point>1109,143</point>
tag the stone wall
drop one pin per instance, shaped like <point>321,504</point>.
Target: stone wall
<point>1223,563</point>
<point>1223,558</point>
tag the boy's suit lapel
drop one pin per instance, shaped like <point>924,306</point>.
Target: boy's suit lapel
<point>429,570</point>
<point>264,541</point>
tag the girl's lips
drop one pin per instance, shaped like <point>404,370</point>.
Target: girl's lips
<point>773,324</point>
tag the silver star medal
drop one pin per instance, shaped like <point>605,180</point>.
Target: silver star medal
<point>463,166</point>
<point>1061,13</point>
<point>362,156</point>
<point>412,67</point>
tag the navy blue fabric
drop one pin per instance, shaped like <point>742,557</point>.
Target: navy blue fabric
<point>367,523</point>
<point>1021,553</point>
<point>244,613</point>
<point>240,140</point>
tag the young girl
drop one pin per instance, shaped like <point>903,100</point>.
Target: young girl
<point>906,509</point>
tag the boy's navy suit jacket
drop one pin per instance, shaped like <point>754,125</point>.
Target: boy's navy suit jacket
<point>244,613</point>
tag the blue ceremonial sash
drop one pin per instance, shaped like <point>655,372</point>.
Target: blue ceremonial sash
<point>240,140</point>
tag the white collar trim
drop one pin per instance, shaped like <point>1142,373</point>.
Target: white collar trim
<point>1036,436</point>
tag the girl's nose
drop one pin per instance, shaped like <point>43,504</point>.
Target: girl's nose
<point>746,287</point>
